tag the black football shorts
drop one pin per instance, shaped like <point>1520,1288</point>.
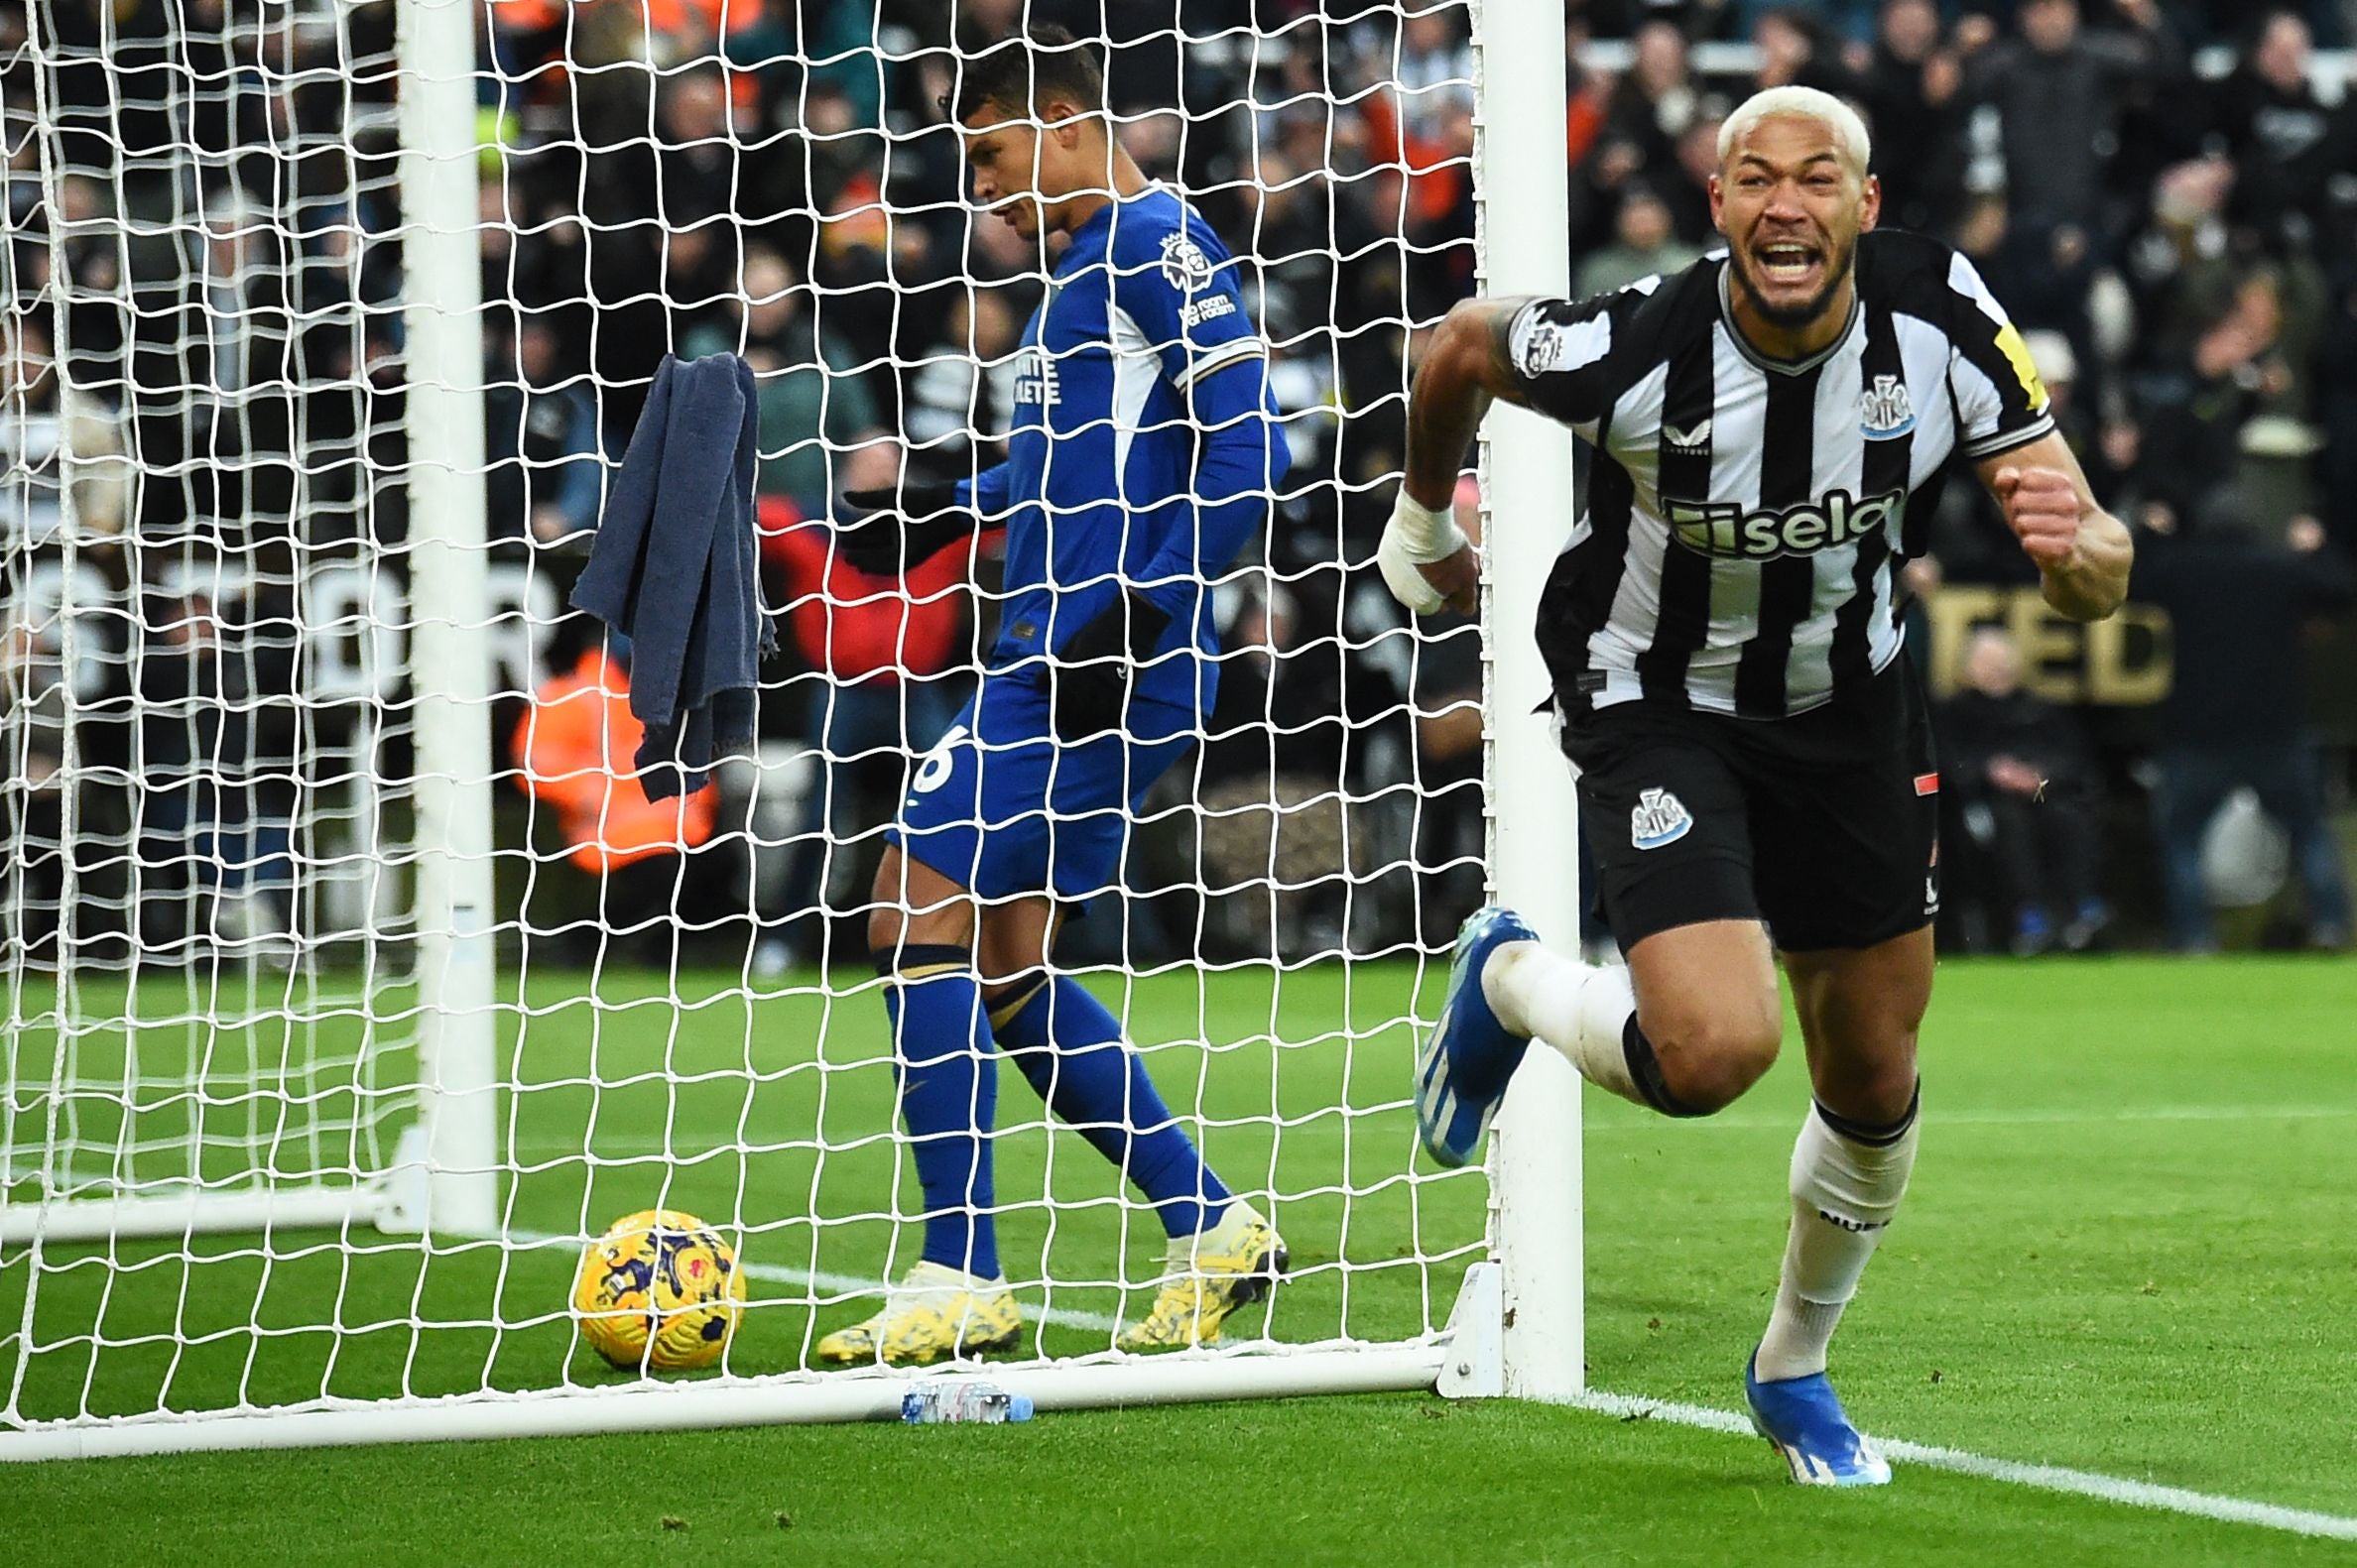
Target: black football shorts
<point>1826,824</point>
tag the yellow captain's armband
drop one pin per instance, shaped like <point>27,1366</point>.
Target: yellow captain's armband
<point>2017,354</point>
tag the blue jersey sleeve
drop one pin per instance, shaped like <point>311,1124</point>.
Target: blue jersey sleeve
<point>1242,462</point>
<point>989,493</point>
<point>1178,284</point>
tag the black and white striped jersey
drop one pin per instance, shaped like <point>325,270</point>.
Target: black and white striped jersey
<point>1745,516</point>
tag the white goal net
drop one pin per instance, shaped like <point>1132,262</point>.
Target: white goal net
<point>353,982</point>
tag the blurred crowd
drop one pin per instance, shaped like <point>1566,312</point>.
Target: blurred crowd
<point>2179,247</point>
<point>204,425</point>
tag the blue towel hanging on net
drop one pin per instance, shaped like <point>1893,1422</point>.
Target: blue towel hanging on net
<point>673,568</point>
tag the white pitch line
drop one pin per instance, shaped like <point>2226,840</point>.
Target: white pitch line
<point>2045,1478</point>
<point>821,1279</point>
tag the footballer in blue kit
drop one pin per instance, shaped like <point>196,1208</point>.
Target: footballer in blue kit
<point>1143,458</point>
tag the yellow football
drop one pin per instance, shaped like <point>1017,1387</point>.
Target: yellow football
<point>660,1290</point>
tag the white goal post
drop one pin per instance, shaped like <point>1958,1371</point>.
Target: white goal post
<point>309,1108</point>
<point>448,1157</point>
<point>1527,489</point>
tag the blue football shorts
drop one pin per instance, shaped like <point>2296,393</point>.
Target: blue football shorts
<point>1002,806</point>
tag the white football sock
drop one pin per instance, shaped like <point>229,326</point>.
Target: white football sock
<point>1844,1193</point>
<point>1581,1009</point>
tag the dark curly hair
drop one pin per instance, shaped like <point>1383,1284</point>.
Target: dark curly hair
<point>1018,74</point>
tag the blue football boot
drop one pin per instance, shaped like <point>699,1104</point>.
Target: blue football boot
<point>1462,1067</point>
<point>1802,1419</point>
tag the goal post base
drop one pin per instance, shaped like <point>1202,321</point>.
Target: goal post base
<point>1465,1362</point>
<point>398,1201</point>
<point>188,1211</point>
<point>1475,1365</point>
<point>419,1195</point>
<point>1180,1378</point>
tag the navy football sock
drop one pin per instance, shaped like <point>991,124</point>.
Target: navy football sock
<point>948,1099</point>
<point>1071,1051</point>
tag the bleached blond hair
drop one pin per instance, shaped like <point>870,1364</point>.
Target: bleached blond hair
<point>1804,103</point>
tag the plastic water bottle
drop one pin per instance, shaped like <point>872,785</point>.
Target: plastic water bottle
<point>940,1399</point>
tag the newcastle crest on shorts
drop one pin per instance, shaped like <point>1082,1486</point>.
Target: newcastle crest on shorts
<point>1885,412</point>
<point>1660,818</point>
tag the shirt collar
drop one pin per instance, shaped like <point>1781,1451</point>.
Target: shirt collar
<point>1784,367</point>
<point>1102,218</point>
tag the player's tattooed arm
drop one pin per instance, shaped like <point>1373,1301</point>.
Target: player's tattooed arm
<point>2082,552</point>
<point>1467,365</point>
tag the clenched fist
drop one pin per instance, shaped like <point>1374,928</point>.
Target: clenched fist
<point>2041,505</point>
<point>1427,561</point>
<point>1456,578</point>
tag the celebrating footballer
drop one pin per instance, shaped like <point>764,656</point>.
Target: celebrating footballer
<point>1755,773</point>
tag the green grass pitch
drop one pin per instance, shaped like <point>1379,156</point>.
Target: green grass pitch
<point>2128,1250</point>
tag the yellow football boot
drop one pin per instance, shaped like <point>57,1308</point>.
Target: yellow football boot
<point>1232,1265</point>
<point>933,1312</point>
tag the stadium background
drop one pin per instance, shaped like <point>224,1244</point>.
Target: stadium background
<point>2130,1253</point>
<point>2165,195</point>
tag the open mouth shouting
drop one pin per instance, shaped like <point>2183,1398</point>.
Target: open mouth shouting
<point>1791,277</point>
<point>1789,266</point>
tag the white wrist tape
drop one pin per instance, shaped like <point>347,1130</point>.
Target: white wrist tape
<point>1416,535</point>
<point>1426,533</point>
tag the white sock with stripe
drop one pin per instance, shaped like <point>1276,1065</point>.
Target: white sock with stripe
<point>1581,1009</point>
<point>1846,1183</point>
